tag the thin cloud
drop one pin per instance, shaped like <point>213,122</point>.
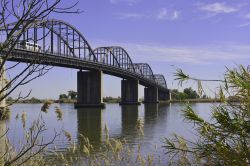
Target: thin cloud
<point>247,16</point>
<point>175,15</point>
<point>131,16</point>
<point>162,14</point>
<point>243,25</point>
<point>218,8</point>
<point>193,55</point>
<point>165,14</point>
<point>247,23</point>
<point>130,2</point>
<point>208,54</point>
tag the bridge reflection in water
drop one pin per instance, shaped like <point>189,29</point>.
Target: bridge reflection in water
<point>129,115</point>
<point>150,113</point>
<point>121,120</point>
<point>91,125</point>
<point>89,122</point>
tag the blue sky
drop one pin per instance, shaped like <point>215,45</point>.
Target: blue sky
<point>201,37</point>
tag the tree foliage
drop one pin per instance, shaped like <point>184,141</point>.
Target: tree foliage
<point>188,93</point>
<point>63,96</point>
<point>72,94</point>
<point>225,140</point>
<point>191,94</point>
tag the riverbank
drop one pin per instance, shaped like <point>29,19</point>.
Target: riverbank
<point>193,101</point>
<point>39,101</point>
<point>111,100</point>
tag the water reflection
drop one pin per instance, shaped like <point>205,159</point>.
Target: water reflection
<point>150,121</point>
<point>159,122</point>
<point>163,109</point>
<point>89,123</point>
<point>129,120</point>
<point>150,113</point>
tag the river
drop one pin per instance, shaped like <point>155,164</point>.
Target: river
<point>160,121</point>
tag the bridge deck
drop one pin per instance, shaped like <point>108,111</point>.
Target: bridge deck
<point>19,55</point>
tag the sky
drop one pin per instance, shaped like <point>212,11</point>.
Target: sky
<point>201,37</point>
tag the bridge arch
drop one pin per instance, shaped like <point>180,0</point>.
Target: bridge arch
<point>63,39</point>
<point>105,56</point>
<point>58,38</point>
<point>120,55</point>
<point>145,70</point>
<point>160,79</point>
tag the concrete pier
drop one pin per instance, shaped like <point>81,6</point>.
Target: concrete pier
<point>129,92</point>
<point>151,95</point>
<point>163,95</point>
<point>89,89</point>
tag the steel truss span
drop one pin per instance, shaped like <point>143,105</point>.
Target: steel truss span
<point>57,43</point>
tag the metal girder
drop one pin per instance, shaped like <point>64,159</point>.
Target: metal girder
<point>160,79</point>
<point>66,33</point>
<point>145,70</point>
<point>119,54</point>
<point>61,40</point>
<point>105,56</point>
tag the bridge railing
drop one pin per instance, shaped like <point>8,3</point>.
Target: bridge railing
<point>19,46</point>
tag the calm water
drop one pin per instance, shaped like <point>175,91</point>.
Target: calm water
<point>160,120</point>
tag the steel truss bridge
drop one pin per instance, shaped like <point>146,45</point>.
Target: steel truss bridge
<point>58,43</point>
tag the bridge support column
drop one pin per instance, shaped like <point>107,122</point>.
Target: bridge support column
<point>129,92</point>
<point>163,95</point>
<point>151,95</point>
<point>89,89</point>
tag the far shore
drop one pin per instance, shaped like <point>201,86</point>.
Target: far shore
<point>193,101</point>
<point>113,100</point>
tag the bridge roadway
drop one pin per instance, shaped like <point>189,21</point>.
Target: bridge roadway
<point>57,42</point>
<point>19,55</point>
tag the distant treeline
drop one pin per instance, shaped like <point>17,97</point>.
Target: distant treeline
<point>191,95</point>
<point>188,94</point>
<point>109,99</point>
<point>31,100</point>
